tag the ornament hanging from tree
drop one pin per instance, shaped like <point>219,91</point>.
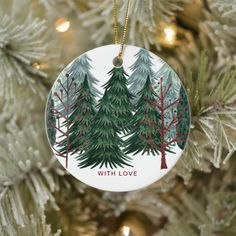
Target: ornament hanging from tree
<point>118,128</point>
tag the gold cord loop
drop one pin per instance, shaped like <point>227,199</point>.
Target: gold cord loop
<point>116,32</point>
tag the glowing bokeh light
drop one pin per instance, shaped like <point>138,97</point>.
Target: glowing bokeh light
<point>62,25</point>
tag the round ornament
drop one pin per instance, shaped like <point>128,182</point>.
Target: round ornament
<point>118,128</point>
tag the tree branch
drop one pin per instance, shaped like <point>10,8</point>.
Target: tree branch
<point>57,112</point>
<point>60,131</point>
<point>167,91</point>
<point>59,81</point>
<point>171,104</point>
<point>56,94</point>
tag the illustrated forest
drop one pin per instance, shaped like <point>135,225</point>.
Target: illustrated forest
<point>144,113</point>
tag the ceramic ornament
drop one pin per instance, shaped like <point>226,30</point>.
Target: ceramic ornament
<point>118,128</point>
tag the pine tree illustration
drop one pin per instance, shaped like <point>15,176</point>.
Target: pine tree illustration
<point>183,124</point>
<point>51,121</point>
<point>80,68</point>
<point>81,119</point>
<point>144,137</point>
<point>120,98</point>
<point>141,69</point>
<point>111,118</point>
<point>170,77</point>
<point>165,70</point>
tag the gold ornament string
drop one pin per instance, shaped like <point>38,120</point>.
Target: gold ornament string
<point>116,32</point>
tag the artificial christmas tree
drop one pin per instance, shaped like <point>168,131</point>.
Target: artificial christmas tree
<point>144,136</point>
<point>30,61</point>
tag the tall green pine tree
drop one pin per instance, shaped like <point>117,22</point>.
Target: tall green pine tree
<point>145,136</point>
<point>120,98</point>
<point>184,122</point>
<point>114,111</point>
<point>81,119</point>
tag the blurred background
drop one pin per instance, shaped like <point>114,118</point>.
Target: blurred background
<point>38,38</point>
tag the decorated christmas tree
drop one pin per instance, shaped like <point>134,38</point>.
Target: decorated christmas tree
<point>80,120</point>
<point>114,111</point>
<point>144,136</point>
<point>141,68</point>
<point>183,112</point>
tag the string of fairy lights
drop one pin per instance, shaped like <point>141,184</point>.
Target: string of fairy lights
<point>62,25</point>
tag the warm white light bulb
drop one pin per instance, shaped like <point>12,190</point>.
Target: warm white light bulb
<point>36,66</point>
<point>126,230</point>
<point>169,34</point>
<point>62,25</point>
